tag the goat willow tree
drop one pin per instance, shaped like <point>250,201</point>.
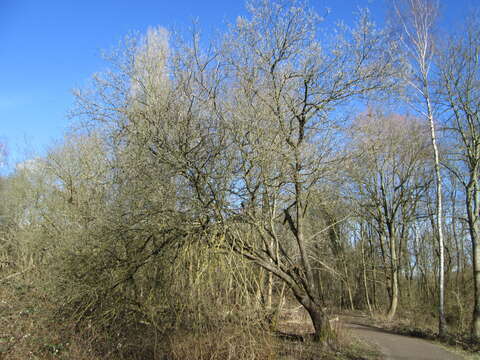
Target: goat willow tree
<point>246,128</point>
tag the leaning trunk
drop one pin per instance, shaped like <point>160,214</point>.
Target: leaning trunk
<point>319,318</point>
<point>320,322</point>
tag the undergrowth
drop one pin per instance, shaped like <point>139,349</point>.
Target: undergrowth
<point>31,329</point>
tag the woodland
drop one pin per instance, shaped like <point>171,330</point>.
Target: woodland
<point>207,186</point>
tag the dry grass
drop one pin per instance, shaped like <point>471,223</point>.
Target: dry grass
<point>30,329</point>
<point>29,332</point>
<point>224,344</point>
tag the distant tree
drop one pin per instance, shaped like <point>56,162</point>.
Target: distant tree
<point>3,154</point>
<point>389,177</point>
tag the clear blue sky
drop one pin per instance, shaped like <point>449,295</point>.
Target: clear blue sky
<point>48,47</point>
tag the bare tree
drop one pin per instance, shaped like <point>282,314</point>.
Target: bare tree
<point>389,177</point>
<point>286,83</point>
<point>246,129</point>
<point>417,18</point>
<point>460,87</point>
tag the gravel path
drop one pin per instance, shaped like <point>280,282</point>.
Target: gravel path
<point>398,347</point>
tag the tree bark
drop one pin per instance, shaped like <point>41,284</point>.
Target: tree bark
<point>476,279</point>
<point>442,324</point>
<point>473,202</point>
<point>319,319</point>
<point>394,274</point>
<point>364,272</point>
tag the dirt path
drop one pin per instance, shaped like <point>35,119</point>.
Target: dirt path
<point>398,347</point>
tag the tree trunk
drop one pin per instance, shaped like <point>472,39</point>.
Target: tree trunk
<point>394,298</point>
<point>473,204</point>
<point>260,289</point>
<point>442,324</point>
<point>347,284</point>
<point>476,279</point>
<point>394,274</point>
<point>269,291</point>
<point>319,320</point>
<point>364,273</point>
<point>386,266</point>
<point>374,271</point>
